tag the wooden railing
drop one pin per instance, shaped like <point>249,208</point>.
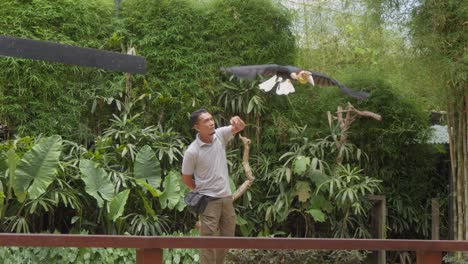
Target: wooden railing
<point>150,249</point>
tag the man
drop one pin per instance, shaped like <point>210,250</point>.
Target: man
<point>205,170</point>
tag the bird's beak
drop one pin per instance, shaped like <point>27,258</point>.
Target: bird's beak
<point>303,77</point>
<point>310,80</point>
<point>293,76</point>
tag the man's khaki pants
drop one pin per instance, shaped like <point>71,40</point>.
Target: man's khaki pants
<point>218,219</point>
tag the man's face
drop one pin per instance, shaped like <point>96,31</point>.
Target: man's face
<point>205,125</point>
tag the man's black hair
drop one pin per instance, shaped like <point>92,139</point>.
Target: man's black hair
<point>195,115</point>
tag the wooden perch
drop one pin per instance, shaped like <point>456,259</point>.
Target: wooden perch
<point>345,122</point>
<point>248,171</point>
<point>351,109</point>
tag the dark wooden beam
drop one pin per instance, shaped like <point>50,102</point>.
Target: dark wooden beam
<point>67,54</point>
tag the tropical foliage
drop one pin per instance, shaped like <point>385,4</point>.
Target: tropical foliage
<point>99,152</point>
<point>36,96</point>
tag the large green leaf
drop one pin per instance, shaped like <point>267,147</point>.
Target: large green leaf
<point>318,201</point>
<point>171,194</point>
<point>3,167</point>
<point>117,205</point>
<point>183,191</point>
<point>12,161</point>
<point>317,214</point>
<point>98,183</point>
<point>232,185</point>
<point>147,204</point>
<point>39,166</point>
<point>302,190</point>
<point>318,177</point>
<point>147,167</point>
<point>300,164</point>
<point>154,192</point>
<point>2,199</point>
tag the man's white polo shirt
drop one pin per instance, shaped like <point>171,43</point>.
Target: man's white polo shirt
<point>208,164</point>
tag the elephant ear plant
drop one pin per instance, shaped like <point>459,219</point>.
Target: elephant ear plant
<point>38,168</point>
<point>26,178</point>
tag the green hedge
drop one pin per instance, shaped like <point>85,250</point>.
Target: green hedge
<point>186,42</point>
<point>66,255</point>
<point>41,97</point>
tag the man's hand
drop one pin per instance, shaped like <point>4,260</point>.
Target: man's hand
<point>188,181</point>
<point>237,124</point>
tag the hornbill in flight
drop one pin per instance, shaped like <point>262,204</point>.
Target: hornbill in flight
<point>282,76</point>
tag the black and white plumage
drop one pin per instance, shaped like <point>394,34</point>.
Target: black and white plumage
<point>282,76</point>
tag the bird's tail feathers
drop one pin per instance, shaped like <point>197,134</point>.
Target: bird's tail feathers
<point>356,94</point>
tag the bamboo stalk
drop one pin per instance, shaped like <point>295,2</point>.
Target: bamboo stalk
<point>257,129</point>
<point>464,128</point>
<point>463,172</point>
<point>460,189</point>
<point>450,121</point>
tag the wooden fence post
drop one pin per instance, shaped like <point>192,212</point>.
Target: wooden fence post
<point>428,257</point>
<point>149,256</point>
<point>378,224</point>
<point>435,219</point>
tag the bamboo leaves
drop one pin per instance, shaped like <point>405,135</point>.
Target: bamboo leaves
<point>348,187</point>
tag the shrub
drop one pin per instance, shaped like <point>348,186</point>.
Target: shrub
<point>42,97</point>
<point>296,256</point>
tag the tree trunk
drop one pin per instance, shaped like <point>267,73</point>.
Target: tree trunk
<point>454,173</point>
<point>351,115</point>
<point>464,128</point>
<point>458,139</point>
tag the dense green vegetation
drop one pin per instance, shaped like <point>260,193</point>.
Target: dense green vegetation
<point>100,152</point>
<point>439,30</point>
<point>39,97</point>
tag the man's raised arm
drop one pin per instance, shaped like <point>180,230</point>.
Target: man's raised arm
<point>237,125</point>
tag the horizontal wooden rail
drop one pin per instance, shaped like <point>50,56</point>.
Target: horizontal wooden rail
<point>149,248</point>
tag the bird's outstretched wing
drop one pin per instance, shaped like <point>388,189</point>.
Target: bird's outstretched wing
<point>323,80</point>
<point>252,71</point>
